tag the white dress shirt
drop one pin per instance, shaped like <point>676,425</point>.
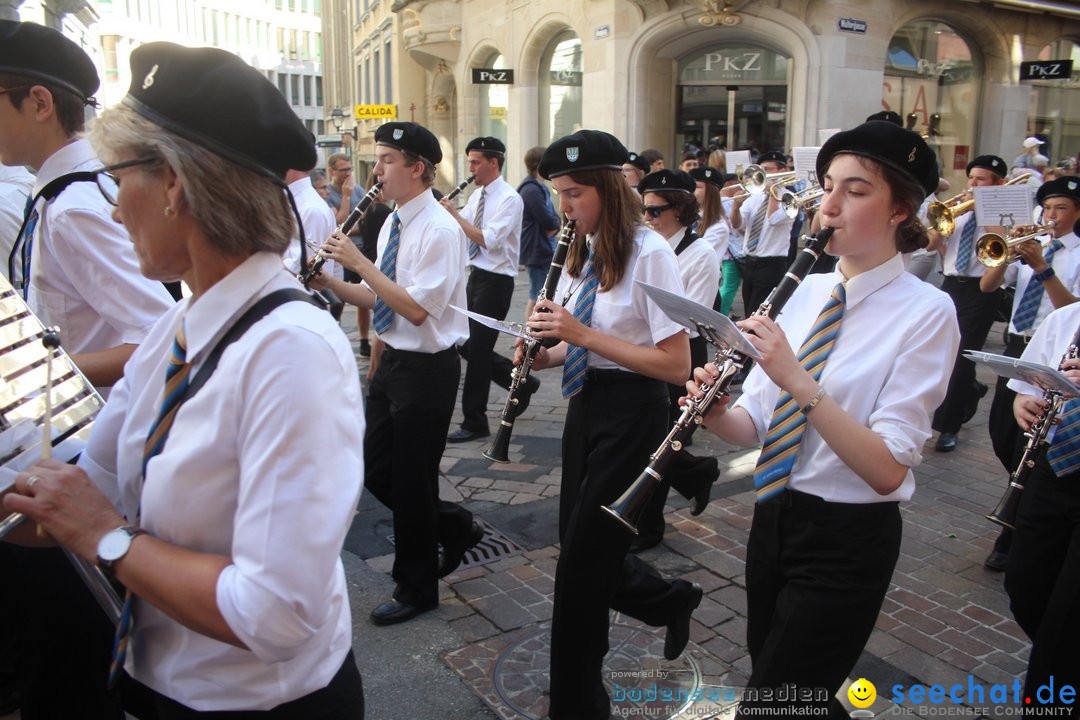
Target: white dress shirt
<point>625,311</point>
<point>952,246</point>
<point>718,235</point>
<point>16,184</point>
<point>1048,344</point>
<point>84,275</point>
<point>319,224</point>
<point>431,268</point>
<point>699,269</point>
<point>888,370</point>
<point>775,237</point>
<point>264,465</point>
<point>501,227</point>
<point>1066,266</point>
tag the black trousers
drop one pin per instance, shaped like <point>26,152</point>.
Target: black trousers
<point>759,276</point>
<point>341,699</point>
<point>1042,578</point>
<point>63,650</point>
<point>409,404</point>
<point>975,313</point>
<point>682,472</point>
<point>816,575</point>
<point>611,427</point>
<point>489,294</point>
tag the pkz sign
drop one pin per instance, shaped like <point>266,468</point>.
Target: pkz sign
<point>1046,70</point>
<point>491,76</point>
<point>851,25</point>
<point>733,64</point>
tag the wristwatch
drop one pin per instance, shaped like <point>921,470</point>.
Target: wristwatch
<point>115,544</point>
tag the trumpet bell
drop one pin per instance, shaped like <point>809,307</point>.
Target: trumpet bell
<point>992,250</point>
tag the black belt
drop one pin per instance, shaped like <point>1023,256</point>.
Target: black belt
<point>419,353</point>
<point>798,500</point>
<point>962,279</point>
<point>1013,337</point>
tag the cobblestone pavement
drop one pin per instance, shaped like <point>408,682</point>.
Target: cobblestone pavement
<point>483,653</point>
<point>945,617</point>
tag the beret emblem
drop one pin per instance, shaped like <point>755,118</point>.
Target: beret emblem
<point>149,79</point>
<point>911,156</point>
<point>572,154</point>
<point>398,133</point>
<point>1072,184</point>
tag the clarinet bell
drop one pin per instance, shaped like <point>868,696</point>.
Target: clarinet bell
<point>500,446</point>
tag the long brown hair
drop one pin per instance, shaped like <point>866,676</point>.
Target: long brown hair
<point>712,209</point>
<point>613,241</point>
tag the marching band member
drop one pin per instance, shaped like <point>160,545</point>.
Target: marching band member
<point>491,222</point>
<point>634,169</point>
<point>713,227</point>
<point>670,208</point>
<point>767,236</point>
<point>229,548</point>
<point>82,276</point>
<point>975,310</point>
<point>1041,573</point>
<point>731,266</point>
<point>1048,278</point>
<point>411,395</point>
<point>618,350</point>
<point>845,421</point>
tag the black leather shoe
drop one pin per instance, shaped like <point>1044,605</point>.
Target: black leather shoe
<point>996,560</point>
<point>643,542</point>
<point>452,555</point>
<point>394,611</point>
<point>531,386</point>
<point>700,501</point>
<point>946,442</point>
<point>977,393</point>
<point>365,348</point>
<point>678,632</point>
<point>462,435</point>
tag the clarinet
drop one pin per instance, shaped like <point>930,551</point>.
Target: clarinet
<point>631,504</point>
<point>501,444</point>
<point>346,227</point>
<point>1005,512</point>
<point>460,187</point>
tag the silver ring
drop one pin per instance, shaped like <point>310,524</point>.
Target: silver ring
<point>31,481</point>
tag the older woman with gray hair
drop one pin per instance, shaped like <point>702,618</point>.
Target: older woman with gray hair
<point>201,489</point>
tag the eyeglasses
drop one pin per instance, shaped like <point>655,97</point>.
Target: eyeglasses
<point>655,211</point>
<point>107,182</point>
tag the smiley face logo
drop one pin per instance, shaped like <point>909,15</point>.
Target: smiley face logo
<point>862,693</point>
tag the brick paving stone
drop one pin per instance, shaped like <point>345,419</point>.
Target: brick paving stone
<point>1006,662</point>
<point>707,580</point>
<point>733,597</point>
<point>504,612</point>
<point>522,498</point>
<point>478,588</point>
<point>1009,627</point>
<point>919,621</point>
<point>960,659</point>
<point>996,639</point>
<point>982,615</point>
<point>507,563</point>
<point>541,553</point>
<point>525,572</point>
<point>526,596</point>
<point>466,574</point>
<point>721,563</point>
<point>711,613</point>
<point>964,642</point>
<point>950,617</point>
<point>495,496</point>
<point>910,599</point>
<point>543,584</point>
<point>473,627</point>
<point>452,609</point>
<point>503,580</point>
<point>733,629</point>
<point>919,640</point>
<point>477,482</point>
<point>881,643</point>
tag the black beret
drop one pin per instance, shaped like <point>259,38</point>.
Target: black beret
<point>1068,186</point>
<point>709,175</point>
<point>886,143</point>
<point>989,162</point>
<point>887,116</point>
<point>410,137</point>
<point>44,54</point>
<point>216,100</point>
<point>487,145</point>
<point>584,150</point>
<point>639,162</point>
<point>667,180</point>
<point>772,156</point>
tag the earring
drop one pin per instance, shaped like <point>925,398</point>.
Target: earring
<point>170,212</point>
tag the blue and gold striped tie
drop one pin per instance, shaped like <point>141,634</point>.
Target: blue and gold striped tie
<point>577,358</point>
<point>1064,452</point>
<point>788,424</point>
<point>176,383</point>
<point>967,244</point>
<point>1024,317</point>
<point>383,314</point>
<point>757,227</point>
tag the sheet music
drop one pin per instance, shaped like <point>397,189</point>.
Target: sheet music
<point>1006,205</point>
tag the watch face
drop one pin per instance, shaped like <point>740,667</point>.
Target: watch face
<point>114,545</point>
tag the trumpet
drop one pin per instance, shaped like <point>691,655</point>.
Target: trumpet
<point>1005,512</point>
<point>628,508</point>
<point>792,202</point>
<point>305,276</point>
<point>993,251</point>
<point>754,179</point>
<point>942,215</point>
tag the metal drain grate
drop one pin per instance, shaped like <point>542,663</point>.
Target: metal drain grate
<point>493,546</point>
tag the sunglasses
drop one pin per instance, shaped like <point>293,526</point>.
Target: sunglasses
<point>654,211</point>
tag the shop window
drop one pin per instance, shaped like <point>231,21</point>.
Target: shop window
<point>494,102</point>
<point>560,87</point>
<point>1055,107</point>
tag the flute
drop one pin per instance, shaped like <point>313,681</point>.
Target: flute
<point>631,504</point>
<point>305,276</point>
